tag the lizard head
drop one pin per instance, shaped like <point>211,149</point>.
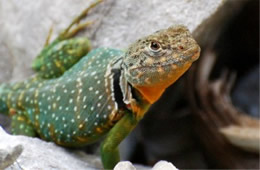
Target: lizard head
<point>154,62</point>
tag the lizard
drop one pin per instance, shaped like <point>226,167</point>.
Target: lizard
<point>80,95</point>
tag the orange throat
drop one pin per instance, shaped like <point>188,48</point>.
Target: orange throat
<point>153,93</point>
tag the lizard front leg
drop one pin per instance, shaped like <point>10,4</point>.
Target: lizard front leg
<point>109,148</point>
<point>60,55</point>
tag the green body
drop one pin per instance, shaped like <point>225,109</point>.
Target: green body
<point>77,96</point>
<point>74,109</point>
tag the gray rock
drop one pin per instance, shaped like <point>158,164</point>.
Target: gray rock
<point>38,154</point>
<point>25,25</point>
<point>161,165</point>
<point>8,155</point>
<point>126,165</point>
<point>164,165</point>
<point>22,152</point>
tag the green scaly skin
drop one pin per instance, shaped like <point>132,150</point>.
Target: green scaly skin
<point>79,96</point>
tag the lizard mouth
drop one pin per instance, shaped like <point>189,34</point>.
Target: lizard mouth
<point>195,56</point>
<point>183,59</point>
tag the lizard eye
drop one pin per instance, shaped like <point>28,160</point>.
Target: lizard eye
<point>155,46</point>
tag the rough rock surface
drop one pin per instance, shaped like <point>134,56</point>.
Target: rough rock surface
<point>34,153</point>
<point>21,152</point>
<point>24,27</point>
<point>161,165</point>
<point>164,165</point>
<point>8,155</point>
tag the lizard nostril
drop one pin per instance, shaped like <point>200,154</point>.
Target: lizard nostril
<point>181,47</point>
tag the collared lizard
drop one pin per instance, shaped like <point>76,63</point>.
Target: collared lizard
<point>79,95</point>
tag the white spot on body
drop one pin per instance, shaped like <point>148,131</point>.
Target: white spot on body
<point>86,75</point>
<point>21,126</point>
<point>93,73</point>
<point>58,98</point>
<point>80,90</point>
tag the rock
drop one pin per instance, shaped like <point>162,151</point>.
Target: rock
<point>161,165</point>
<point>118,23</point>
<point>22,152</point>
<point>164,165</point>
<point>126,165</point>
<point>8,155</point>
<point>38,154</point>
